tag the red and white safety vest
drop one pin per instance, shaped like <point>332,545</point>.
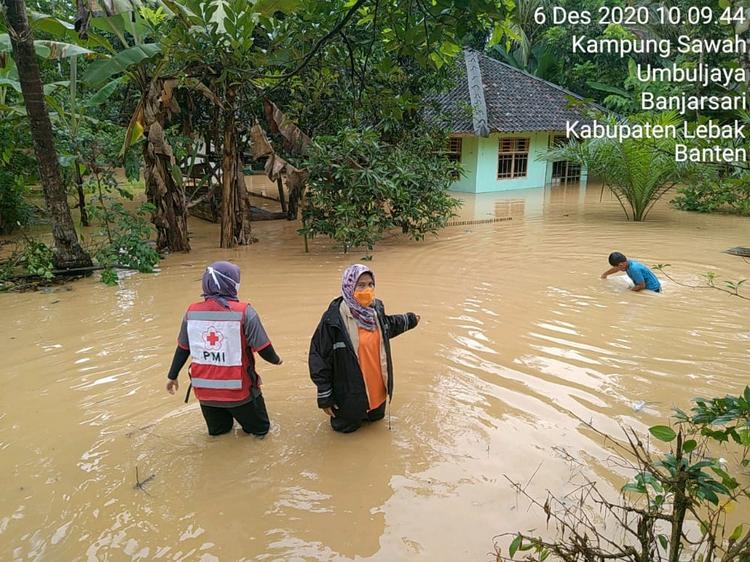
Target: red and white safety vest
<point>219,351</point>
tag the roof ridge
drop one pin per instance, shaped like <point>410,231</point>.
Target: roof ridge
<point>476,93</point>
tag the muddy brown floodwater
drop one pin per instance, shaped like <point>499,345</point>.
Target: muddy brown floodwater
<point>519,341</point>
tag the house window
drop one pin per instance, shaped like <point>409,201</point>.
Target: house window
<point>454,149</point>
<point>564,171</point>
<point>513,158</point>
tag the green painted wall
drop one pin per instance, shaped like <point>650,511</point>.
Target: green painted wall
<point>467,182</point>
<point>487,169</point>
<point>479,160</point>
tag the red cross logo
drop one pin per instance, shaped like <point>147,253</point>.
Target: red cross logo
<point>213,338</point>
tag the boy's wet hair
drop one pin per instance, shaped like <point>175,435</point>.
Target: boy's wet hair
<point>616,258</point>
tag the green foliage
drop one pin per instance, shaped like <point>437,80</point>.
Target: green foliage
<point>360,187</point>
<point>128,242</point>
<point>709,193</point>
<point>109,277</point>
<point>31,258</point>
<point>14,209</point>
<point>127,235</point>
<point>663,433</point>
<point>544,50</point>
<point>97,147</point>
<point>17,169</point>
<point>103,70</point>
<point>37,259</point>
<point>721,419</point>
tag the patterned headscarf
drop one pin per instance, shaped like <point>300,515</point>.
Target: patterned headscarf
<point>221,281</point>
<point>364,315</point>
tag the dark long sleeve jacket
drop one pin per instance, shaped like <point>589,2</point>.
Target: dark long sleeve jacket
<point>334,367</point>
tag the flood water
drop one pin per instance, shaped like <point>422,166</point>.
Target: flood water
<point>520,340</point>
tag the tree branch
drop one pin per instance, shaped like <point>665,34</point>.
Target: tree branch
<point>318,45</point>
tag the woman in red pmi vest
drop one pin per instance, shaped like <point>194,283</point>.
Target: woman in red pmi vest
<point>221,334</point>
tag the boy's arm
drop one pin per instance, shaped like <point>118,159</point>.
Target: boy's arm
<point>610,271</point>
<point>638,279</point>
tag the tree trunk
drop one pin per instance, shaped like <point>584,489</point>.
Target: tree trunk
<point>67,252</point>
<point>282,199</point>
<point>81,194</point>
<point>163,192</point>
<point>235,222</point>
<point>680,505</point>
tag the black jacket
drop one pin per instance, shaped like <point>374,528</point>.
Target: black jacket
<point>333,363</point>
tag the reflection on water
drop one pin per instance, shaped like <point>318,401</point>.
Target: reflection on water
<point>525,203</point>
<point>520,340</point>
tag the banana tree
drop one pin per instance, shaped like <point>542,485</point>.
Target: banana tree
<point>226,42</point>
<point>140,62</point>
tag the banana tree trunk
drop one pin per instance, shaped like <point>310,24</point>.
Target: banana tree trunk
<point>163,192</point>
<point>68,253</point>
<point>235,221</point>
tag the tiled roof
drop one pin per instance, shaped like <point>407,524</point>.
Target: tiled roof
<point>515,101</point>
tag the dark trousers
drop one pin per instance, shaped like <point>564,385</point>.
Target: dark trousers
<point>347,425</point>
<point>252,416</point>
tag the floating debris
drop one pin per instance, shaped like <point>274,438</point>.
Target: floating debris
<point>139,484</point>
<point>738,251</point>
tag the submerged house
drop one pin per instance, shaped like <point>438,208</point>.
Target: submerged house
<point>501,121</point>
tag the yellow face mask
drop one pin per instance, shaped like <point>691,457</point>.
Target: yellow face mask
<point>365,297</point>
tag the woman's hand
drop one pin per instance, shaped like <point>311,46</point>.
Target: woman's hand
<point>172,385</point>
<point>330,411</point>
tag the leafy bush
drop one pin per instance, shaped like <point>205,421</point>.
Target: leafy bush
<point>29,262</point>
<point>14,209</point>
<point>127,235</point>
<point>128,240</point>
<point>17,169</point>
<point>360,187</point>
<point>709,194</point>
<point>37,259</point>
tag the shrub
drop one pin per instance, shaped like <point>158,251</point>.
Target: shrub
<point>360,187</point>
<point>709,194</point>
<point>128,240</point>
<point>17,169</point>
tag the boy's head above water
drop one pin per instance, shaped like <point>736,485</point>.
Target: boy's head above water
<point>618,260</point>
